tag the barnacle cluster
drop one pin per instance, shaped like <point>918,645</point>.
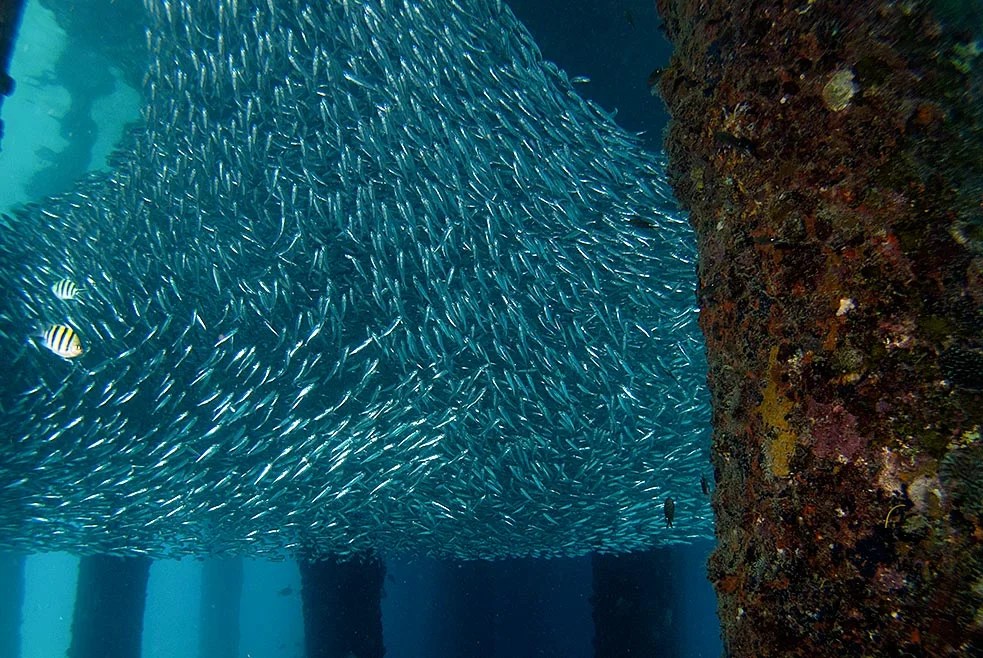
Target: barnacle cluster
<point>840,89</point>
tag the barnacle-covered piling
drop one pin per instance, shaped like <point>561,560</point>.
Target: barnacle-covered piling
<point>831,157</point>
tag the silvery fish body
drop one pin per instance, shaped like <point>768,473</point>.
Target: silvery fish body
<point>370,276</point>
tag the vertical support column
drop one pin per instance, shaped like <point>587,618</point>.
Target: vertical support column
<point>221,596</point>
<point>11,603</point>
<point>342,607</point>
<point>831,157</point>
<point>11,12</point>
<point>109,603</point>
<point>466,626</point>
<point>633,603</point>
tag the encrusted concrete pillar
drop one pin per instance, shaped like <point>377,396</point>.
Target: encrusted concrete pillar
<point>831,157</point>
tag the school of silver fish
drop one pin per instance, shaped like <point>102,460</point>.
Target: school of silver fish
<point>371,275</point>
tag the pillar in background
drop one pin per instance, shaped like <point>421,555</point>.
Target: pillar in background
<point>632,605</point>
<point>464,624</point>
<point>342,607</point>
<point>11,603</point>
<point>654,603</point>
<point>11,12</point>
<point>109,603</point>
<point>221,596</point>
<point>831,157</point>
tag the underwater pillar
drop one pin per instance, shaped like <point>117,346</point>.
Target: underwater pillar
<point>221,596</point>
<point>467,622</point>
<point>11,603</point>
<point>342,601</point>
<point>633,600</point>
<point>11,12</point>
<point>831,157</point>
<point>109,602</point>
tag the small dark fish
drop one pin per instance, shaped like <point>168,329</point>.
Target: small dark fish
<point>704,485</point>
<point>638,221</point>
<point>286,591</point>
<point>670,510</point>
<point>653,80</point>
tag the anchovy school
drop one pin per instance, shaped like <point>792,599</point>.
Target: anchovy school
<point>371,275</point>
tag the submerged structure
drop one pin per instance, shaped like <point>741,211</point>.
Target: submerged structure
<point>370,276</point>
<point>10,15</point>
<point>831,155</point>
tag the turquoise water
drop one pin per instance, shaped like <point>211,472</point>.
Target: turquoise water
<point>36,113</point>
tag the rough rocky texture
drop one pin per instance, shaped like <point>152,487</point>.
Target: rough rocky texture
<point>830,155</point>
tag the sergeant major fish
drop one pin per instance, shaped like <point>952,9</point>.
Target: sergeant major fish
<point>63,341</point>
<point>65,289</point>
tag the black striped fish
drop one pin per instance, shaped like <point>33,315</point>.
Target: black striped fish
<point>65,289</point>
<point>63,341</point>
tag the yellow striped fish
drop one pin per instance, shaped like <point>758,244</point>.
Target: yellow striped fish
<point>63,341</point>
<point>65,289</point>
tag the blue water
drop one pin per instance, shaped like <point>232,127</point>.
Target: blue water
<point>538,608</point>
